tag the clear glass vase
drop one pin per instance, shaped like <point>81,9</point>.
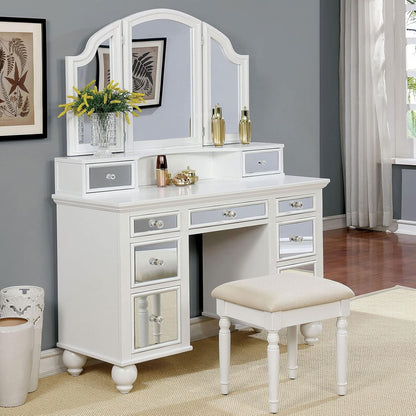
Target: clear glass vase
<point>103,132</point>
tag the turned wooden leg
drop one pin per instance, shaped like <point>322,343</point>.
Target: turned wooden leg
<point>342,353</point>
<point>124,377</point>
<point>292,351</point>
<point>224,351</point>
<point>74,362</point>
<point>311,332</point>
<point>273,357</point>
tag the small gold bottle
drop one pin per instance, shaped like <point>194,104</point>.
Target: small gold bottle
<point>244,127</point>
<point>217,126</point>
<point>161,171</point>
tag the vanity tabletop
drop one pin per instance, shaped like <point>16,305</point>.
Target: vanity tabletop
<point>210,190</point>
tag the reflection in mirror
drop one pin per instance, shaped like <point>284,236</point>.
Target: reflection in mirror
<point>225,87</point>
<point>155,261</point>
<point>155,318</point>
<point>172,118</point>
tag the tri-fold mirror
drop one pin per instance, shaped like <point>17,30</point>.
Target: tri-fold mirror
<point>193,68</point>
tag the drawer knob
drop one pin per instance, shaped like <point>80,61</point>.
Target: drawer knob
<point>296,204</point>
<point>262,162</point>
<point>156,224</point>
<point>155,262</point>
<point>110,176</point>
<point>229,213</point>
<point>296,238</point>
<point>155,318</point>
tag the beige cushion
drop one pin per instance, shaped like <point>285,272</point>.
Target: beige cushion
<point>291,290</point>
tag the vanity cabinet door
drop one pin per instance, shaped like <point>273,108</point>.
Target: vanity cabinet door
<point>151,262</point>
<point>156,318</point>
<point>296,239</point>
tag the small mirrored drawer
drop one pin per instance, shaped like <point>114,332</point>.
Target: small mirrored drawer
<point>154,224</point>
<point>110,176</point>
<point>307,268</point>
<point>231,213</point>
<point>156,318</point>
<point>151,262</point>
<point>262,162</point>
<point>295,205</point>
<point>296,239</point>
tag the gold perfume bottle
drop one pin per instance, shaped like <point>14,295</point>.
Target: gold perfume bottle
<point>217,126</point>
<point>244,127</point>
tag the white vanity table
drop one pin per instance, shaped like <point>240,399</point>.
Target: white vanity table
<point>123,243</point>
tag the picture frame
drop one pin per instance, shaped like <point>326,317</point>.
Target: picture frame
<point>23,105</point>
<point>148,66</point>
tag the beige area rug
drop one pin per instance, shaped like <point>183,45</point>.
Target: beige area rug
<point>382,374</point>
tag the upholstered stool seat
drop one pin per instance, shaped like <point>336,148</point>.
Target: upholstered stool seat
<point>281,301</point>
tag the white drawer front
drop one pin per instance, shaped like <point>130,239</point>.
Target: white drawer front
<point>296,239</point>
<point>262,162</point>
<point>156,318</point>
<point>295,205</point>
<point>232,213</point>
<point>154,261</point>
<point>109,176</point>
<point>154,224</point>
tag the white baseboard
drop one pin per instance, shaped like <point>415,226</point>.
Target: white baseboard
<point>406,227</point>
<point>51,360</point>
<point>334,222</point>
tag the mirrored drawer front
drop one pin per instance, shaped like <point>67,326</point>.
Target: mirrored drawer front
<point>296,239</point>
<point>295,205</point>
<point>232,213</point>
<point>156,318</point>
<point>154,224</point>
<point>109,177</point>
<point>309,268</point>
<point>262,163</point>
<point>151,262</point>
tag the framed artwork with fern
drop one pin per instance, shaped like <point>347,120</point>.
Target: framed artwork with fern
<point>22,78</point>
<point>148,66</point>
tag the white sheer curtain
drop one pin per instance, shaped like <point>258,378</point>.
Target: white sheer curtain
<point>366,125</point>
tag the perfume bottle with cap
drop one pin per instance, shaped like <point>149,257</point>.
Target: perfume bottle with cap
<point>161,171</point>
<point>217,126</point>
<point>244,127</point>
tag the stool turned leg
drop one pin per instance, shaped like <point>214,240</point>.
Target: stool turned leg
<point>224,346</point>
<point>292,351</point>
<point>342,351</point>
<point>273,357</point>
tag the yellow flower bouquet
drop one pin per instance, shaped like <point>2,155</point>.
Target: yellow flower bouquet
<point>111,99</point>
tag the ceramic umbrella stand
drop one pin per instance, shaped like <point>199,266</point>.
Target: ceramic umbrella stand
<point>16,354</point>
<point>26,302</point>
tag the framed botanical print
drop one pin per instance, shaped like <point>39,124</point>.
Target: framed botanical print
<point>23,109</point>
<point>148,61</point>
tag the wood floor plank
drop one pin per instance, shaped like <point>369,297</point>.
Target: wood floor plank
<point>368,261</point>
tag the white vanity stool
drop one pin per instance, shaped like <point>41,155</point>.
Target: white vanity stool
<point>283,301</point>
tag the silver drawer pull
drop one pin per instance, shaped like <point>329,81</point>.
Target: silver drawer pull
<point>229,213</point>
<point>155,262</point>
<point>110,176</point>
<point>296,238</point>
<point>262,162</point>
<point>156,224</point>
<point>296,204</point>
<point>157,319</point>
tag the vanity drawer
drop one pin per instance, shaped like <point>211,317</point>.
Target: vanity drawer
<point>296,239</point>
<point>228,213</point>
<point>156,318</point>
<point>295,205</point>
<point>151,262</point>
<point>262,162</point>
<point>110,176</point>
<point>154,224</point>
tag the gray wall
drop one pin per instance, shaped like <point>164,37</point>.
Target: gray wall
<point>282,38</point>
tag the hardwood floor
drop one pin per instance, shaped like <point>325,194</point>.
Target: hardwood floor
<point>367,261</point>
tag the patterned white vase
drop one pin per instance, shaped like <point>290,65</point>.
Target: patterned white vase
<point>16,354</point>
<point>26,302</point>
